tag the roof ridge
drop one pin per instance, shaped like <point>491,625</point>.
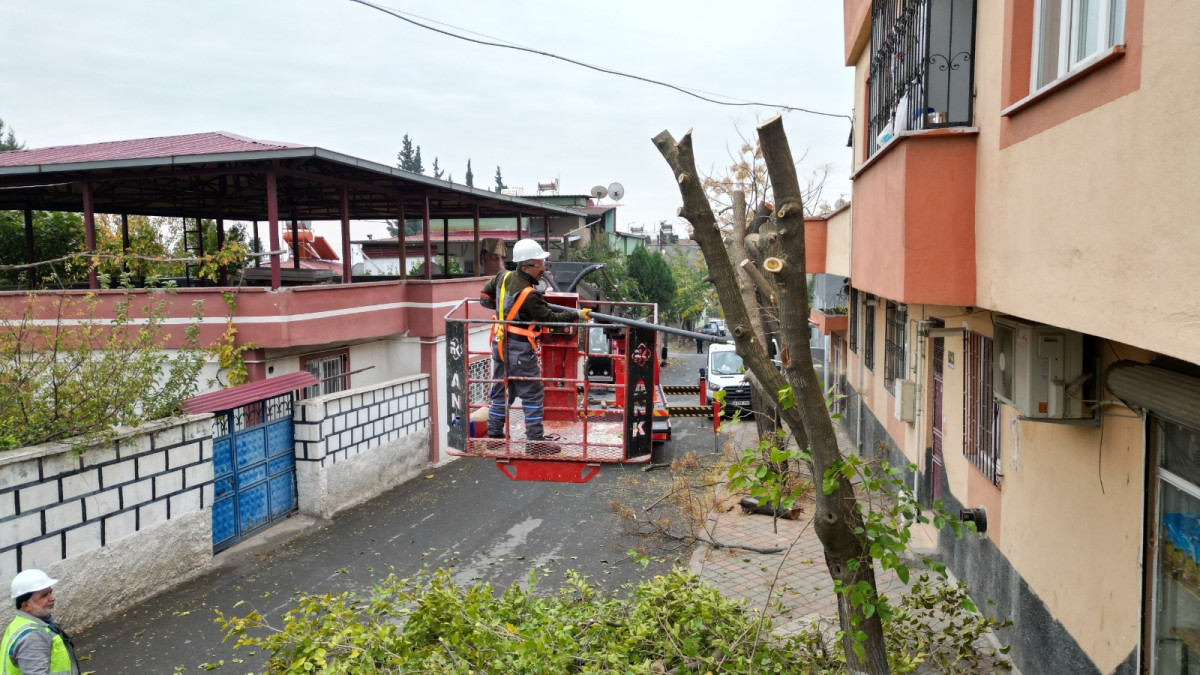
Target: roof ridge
<point>258,141</point>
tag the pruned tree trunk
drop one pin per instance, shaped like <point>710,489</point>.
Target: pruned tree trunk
<point>836,514</point>
<point>761,400</point>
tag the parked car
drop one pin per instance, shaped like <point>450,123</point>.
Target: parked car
<point>714,327</point>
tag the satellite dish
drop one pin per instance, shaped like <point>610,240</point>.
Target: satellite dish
<point>599,192</point>
<point>616,191</point>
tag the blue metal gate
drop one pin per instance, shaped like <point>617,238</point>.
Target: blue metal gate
<point>254,469</point>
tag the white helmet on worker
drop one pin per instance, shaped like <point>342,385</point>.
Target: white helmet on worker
<point>526,250</point>
<point>31,581</point>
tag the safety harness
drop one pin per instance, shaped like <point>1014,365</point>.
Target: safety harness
<point>532,334</point>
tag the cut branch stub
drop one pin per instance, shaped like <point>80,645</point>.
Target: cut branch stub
<point>773,265</point>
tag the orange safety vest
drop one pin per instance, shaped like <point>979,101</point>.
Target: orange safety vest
<point>532,334</point>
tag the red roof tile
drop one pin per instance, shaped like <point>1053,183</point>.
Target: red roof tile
<point>165,146</point>
<point>233,397</point>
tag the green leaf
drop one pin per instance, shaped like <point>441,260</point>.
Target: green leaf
<point>787,398</point>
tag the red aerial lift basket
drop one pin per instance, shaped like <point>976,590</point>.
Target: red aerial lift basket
<point>594,418</point>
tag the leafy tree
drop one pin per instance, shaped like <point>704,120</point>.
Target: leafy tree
<point>692,293</point>
<point>55,235</point>
<point>437,173</point>
<point>65,381</point>
<point>9,141</point>
<point>499,180</point>
<point>599,249</point>
<point>672,623</point>
<point>405,156</point>
<point>653,277</point>
<point>418,167</point>
<point>412,227</point>
<point>470,175</point>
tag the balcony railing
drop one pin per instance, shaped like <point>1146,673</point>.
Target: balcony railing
<point>922,67</point>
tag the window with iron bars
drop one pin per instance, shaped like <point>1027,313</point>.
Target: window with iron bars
<point>855,312</point>
<point>922,67</point>
<point>868,355</point>
<point>981,426</point>
<point>333,369</point>
<point>895,344</point>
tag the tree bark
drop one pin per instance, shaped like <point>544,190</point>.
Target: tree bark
<point>836,514</point>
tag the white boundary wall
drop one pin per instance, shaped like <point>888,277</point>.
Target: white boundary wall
<point>115,522</point>
<point>119,521</point>
<point>354,445</point>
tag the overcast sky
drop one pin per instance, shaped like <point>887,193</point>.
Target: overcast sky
<point>341,76</point>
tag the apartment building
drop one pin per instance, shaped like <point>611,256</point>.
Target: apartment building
<point>1024,319</point>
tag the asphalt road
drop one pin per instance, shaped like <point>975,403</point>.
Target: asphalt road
<point>464,516</point>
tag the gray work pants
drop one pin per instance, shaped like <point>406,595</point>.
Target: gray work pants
<point>520,360</point>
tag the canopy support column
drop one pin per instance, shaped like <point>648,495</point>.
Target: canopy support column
<point>478,260</point>
<point>295,244</point>
<point>89,229</point>
<point>222,273</point>
<point>403,236</point>
<point>347,269</point>
<point>273,223</point>
<point>425,231</point>
<point>546,228</point>
<point>33,271</point>
<point>445,247</point>
<point>257,245</point>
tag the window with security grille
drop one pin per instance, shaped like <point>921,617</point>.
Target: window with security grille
<point>332,368</point>
<point>922,68</point>
<point>868,354</point>
<point>895,344</point>
<point>981,426</point>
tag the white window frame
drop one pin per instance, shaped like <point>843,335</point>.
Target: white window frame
<point>1072,36</point>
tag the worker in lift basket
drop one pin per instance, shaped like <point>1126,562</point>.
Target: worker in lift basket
<point>515,347</point>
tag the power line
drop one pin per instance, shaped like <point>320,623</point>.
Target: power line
<point>505,44</point>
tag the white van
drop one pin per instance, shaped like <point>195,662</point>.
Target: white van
<point>725,372</point>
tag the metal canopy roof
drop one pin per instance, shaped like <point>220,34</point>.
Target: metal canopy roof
<point>1168,394</point>
<point>233,397</point>
<point>219,175</point>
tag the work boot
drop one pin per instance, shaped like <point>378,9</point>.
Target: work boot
<point>543,446</point>
<point>490,445</point>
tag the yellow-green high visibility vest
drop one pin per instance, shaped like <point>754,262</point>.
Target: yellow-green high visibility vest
<point>60,658</point>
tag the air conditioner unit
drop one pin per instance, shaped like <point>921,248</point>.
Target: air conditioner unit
<point>1032,367</point>
<point>906,401</point>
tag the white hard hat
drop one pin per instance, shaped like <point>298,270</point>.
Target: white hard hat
<point>31,581</point>
<point>528,249</point>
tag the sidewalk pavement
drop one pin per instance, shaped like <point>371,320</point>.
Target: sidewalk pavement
<point>802,586</point>
<point>803,591</point>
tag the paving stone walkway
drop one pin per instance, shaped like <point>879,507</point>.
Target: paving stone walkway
<point>794,587</point>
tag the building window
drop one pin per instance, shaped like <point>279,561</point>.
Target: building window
<point>895,344</point>
<point>855,313</point>
<point>837,404</point>
<point>981,442</point>
<point>1176,615</point>
<point>1067,33</point>
<point>922,67</point>
<point>332,368</point>
<point>868,354</point>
